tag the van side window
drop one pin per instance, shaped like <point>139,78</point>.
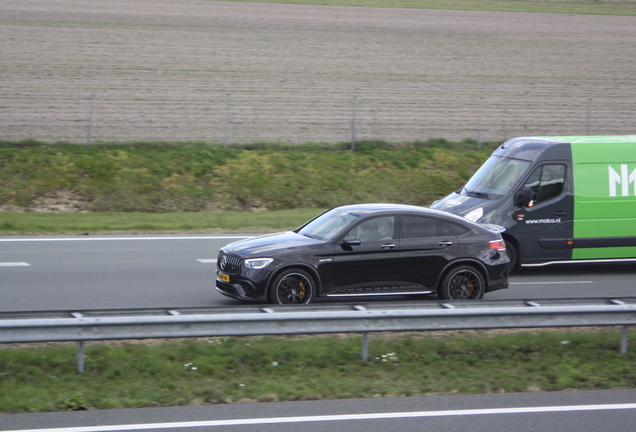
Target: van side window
<point>546,182</point>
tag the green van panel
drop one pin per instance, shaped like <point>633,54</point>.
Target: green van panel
<point>604,170</point>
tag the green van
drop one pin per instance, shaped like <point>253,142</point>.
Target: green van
<point>560,198</point>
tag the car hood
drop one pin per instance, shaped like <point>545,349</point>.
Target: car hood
<point>458,204</point>
<point>272,244</point>
<point>496,211</point>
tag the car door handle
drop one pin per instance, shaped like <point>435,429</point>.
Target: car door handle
<point>560,213</point>
<point>388,246</point>
<point>446,243</point>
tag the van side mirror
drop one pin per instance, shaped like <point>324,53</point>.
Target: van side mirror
<point>524,198</point>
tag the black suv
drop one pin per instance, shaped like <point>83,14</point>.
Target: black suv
<point>367,249</point>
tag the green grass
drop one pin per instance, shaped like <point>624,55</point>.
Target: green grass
<point>13,223</point>
<point>263,369</point>
<point>197,177</point>
<point>600,7</point>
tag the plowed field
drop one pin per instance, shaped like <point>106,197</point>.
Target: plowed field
<point>163,70</point>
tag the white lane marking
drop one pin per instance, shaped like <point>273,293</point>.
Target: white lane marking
<point>344,417</point>
<point>207,261</point>
<point>552,283</point>
<point>38,239</point>
<point>14,264</point>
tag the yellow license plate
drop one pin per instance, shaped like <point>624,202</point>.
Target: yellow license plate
<point>225,278</point>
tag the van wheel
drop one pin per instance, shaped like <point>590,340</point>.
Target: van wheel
<point>292,286</point>
<point>462,283</point>
<point>512,253</point>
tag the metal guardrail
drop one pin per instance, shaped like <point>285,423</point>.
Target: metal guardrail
<point>94,325</point>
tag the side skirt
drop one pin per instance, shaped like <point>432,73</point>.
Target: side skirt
<point>574,261</point>
<point>392,293</point>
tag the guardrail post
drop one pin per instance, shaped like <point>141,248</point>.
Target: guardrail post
<point>80,357</point>
<point>624,340</point>
<point>365,347</point>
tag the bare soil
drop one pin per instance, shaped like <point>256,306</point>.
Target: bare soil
<point>163,69</point>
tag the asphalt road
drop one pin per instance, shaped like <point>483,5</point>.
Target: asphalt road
<point>109,272</point>
<point>577,411</point>
<point>86,272</point>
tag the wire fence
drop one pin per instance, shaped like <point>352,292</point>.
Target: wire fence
<point>308,73</point>
<point>238,118</point>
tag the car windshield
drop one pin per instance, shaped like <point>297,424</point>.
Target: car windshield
<point>496,176</point>
<point>329,224</point>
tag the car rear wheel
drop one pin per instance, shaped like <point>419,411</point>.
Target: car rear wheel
<point>293,286</point>
<point>462,283</point>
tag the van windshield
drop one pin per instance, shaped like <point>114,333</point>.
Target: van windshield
<point>496,176</point>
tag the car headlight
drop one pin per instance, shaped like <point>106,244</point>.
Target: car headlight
<point>257,263</point>
<point>474,215</point>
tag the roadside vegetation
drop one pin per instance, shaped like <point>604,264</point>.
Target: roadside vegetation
<point>150,187</point>
<point>600,7</point>
<point>62,187</point>
<point>266,369</point>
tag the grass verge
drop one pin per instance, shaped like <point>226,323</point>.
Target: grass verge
<point>196,177</point>
<point>265,369</point>
<point>14,223</point>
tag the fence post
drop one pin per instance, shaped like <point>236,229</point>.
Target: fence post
<point>481,121</point>
<point>90,122</point>
<point>353,123</point>
<point>589,116</point>
<point>227,121</point>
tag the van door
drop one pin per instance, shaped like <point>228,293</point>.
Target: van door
<point>544,228</point>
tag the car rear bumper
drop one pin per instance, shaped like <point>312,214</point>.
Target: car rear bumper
<point>498,277</point>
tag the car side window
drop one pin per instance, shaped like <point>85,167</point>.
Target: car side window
<point>444,228</point>
<point>459,230</point>
<point>377,229</point>
<point>416,227</point>
<point>546,182</point>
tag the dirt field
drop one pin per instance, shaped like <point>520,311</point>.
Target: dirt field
<point>162,70</point>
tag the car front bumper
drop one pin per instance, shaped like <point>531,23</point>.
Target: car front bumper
<point>248,285</point>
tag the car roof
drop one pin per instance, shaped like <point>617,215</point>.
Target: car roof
<point>371,208</point>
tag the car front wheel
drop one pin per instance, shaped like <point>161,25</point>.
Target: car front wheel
<point>462,283</point>
<point>293,286</point>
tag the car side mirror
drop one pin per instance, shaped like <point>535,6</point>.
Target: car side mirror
<point>524,198</point>
<point>351,241</point>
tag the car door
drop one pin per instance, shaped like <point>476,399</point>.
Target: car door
<point>545,227</point>
<point>367,267</point>
<point>427,244</point>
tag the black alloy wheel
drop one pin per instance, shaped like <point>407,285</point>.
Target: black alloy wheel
<point>462,283</point>
<point>293,286</point>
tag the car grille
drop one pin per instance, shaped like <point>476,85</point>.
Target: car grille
<point>229,263</point>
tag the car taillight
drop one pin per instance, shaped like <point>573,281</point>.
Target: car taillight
<point>497,245</point>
